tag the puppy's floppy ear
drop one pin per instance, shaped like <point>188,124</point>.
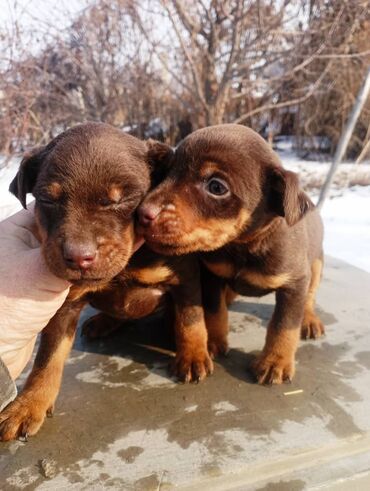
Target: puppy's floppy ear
<point>159,157</point>
<point>285,197</point>
<point>25,179</point>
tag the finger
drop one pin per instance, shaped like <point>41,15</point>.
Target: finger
<point>18,231</point>
<point>17,360</point>
<point>36,271</point>
<point>24,218</point>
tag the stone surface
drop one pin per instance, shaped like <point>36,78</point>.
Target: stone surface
<point>122,423</point>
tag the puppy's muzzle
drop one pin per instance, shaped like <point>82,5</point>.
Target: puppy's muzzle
<point>80,256</point>
<point>147,214</point>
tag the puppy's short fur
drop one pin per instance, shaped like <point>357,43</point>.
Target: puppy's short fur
<point>153,282</point>
<point>88,183</point>
<point>228,197</point>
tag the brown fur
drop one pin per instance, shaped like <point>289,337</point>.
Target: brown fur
<point>259,233</point>
<point>71,178</point>
<point>152,282</point>
<point>217,325</point>
<point>312,326</point>
<point>87,183</point>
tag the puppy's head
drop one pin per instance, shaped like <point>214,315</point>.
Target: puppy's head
<point>87,182</point>
<point>224,182</point>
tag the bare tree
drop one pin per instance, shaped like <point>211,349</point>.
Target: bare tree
<point>249,61</point>
<point>97,69</point>
<point>216,47</point>
<point>339,45</point>
<point>292,65</point>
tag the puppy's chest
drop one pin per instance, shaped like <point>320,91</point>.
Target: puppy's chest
<point>158,273</point>
<point>248,277</point>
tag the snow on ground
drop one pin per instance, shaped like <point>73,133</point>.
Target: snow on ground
<point>346,212</point>
<point>347,226</point>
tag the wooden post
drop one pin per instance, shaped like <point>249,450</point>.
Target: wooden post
<point>345,137</point>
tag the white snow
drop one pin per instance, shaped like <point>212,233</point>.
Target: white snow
<point>347,226</point>
<point>346,212</point>
<point>8,203</point>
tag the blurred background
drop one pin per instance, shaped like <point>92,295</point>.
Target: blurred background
<point>290,69</point>
<point>163,67</point>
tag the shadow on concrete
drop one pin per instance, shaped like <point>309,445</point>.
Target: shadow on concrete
<point>118,401</point>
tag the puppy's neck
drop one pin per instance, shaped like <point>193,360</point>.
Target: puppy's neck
<point>258,238</point>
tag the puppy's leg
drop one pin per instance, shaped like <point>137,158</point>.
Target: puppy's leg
<point>230,295</point>
<point>312,327</point>
<point>99,326</point>
<point>215,301</point>
<point>192,362</point>
<point>118,304</point>
<point>276,362</point>
<point>25,415</point>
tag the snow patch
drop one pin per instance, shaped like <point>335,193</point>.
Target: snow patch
<point>191,409</point>
<point>347,227</point>
<point>106,375</point>
<point>223,407</point>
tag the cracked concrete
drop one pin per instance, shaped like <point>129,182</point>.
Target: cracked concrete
<point>122,423</point>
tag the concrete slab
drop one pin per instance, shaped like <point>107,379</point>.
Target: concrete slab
<point>121,423</point>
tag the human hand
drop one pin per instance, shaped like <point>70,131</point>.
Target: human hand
<point>30,294</point>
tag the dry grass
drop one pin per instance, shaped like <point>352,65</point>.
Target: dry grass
<point>312,180</point>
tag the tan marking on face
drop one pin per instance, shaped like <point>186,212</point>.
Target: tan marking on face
<point>216,232</point>
<point>265,281</point>
<point>154,275</point>
<point>55,190</point>
<point>115,193</point>
<point>208,167</point>
<point>224,270</point>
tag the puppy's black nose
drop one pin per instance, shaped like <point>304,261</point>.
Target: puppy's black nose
<point>147,214</point>
<point>79,255</point>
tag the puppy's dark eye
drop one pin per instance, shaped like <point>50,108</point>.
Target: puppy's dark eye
<point>217,187</point>
<point>107,202</point>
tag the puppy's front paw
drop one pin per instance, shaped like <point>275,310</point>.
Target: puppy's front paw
<point>21,418</point>
<point>272,368</point>
<point>218,347</point>
<point>312,327</point>
<point>192,367</point>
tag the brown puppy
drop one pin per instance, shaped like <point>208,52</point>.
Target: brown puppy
<point>87,183</point>
<point>228,196</point>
